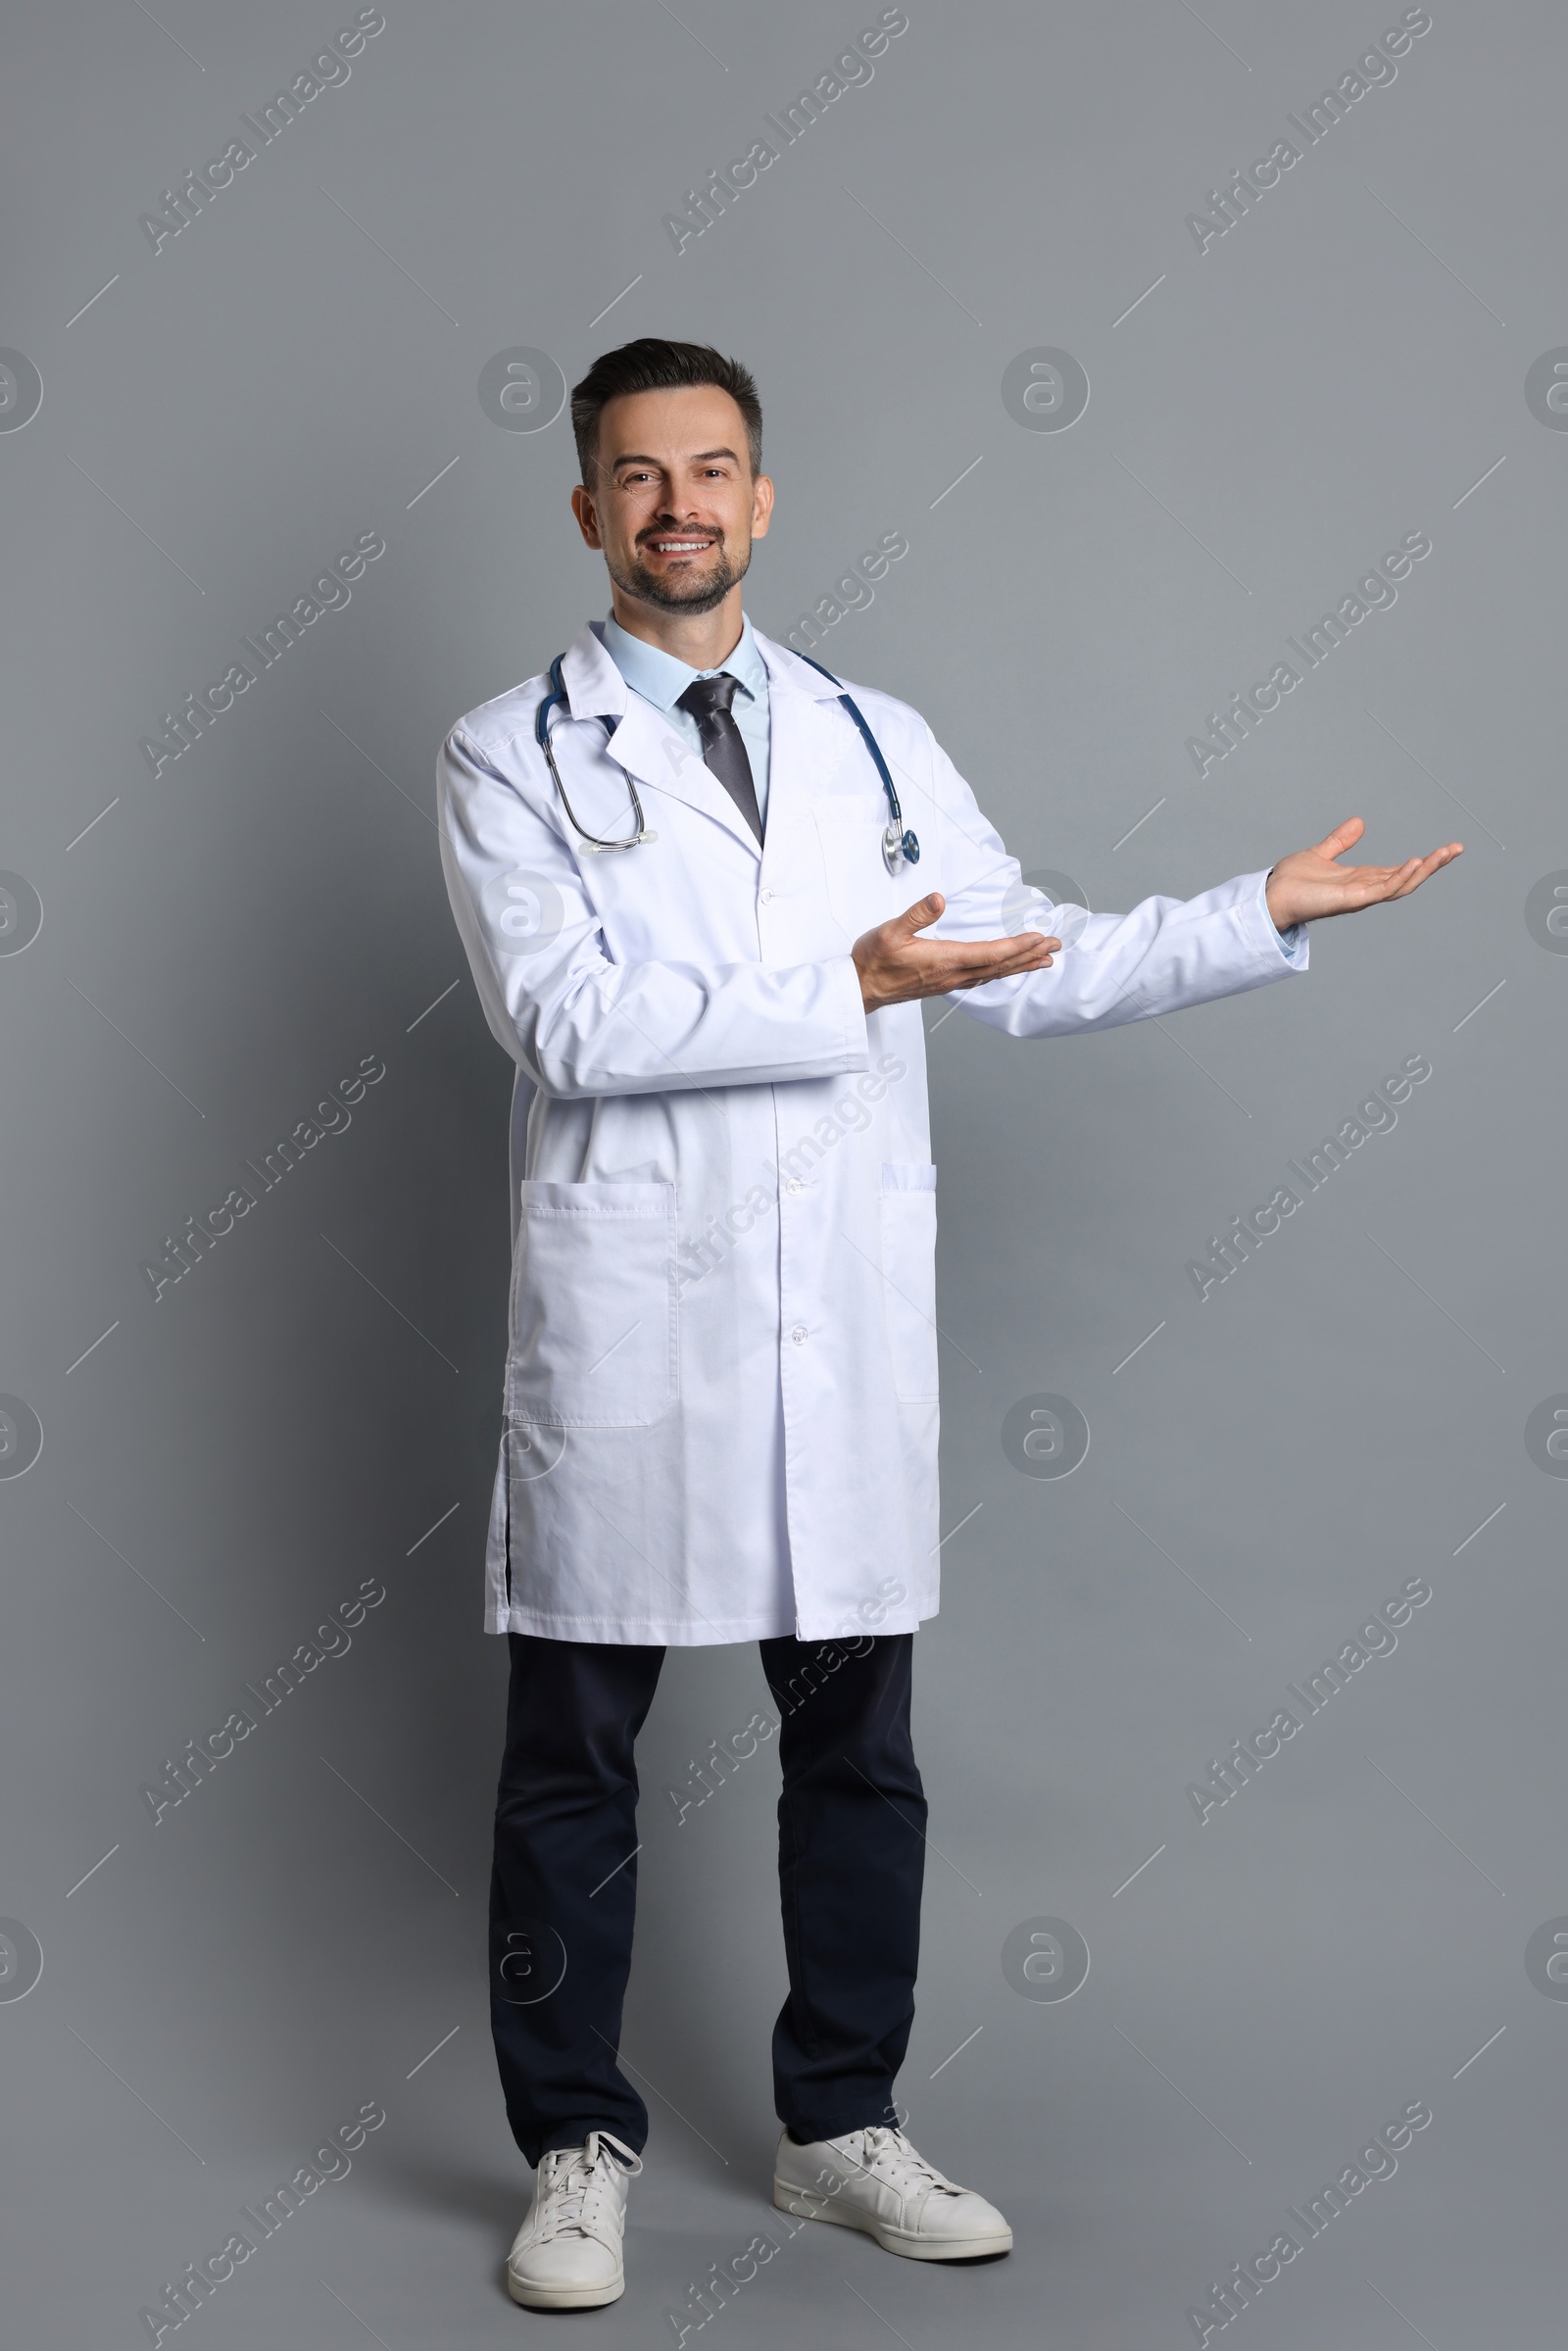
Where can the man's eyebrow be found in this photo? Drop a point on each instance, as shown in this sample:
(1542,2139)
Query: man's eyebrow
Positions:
(702,458)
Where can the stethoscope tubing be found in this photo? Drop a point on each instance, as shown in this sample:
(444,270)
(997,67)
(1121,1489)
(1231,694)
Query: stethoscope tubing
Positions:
(900,845)
(590,842)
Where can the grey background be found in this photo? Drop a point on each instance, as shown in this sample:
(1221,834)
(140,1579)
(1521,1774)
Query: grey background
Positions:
(293,1417)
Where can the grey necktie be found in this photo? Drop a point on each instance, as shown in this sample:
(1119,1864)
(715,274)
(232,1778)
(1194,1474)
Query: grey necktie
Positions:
(708,700)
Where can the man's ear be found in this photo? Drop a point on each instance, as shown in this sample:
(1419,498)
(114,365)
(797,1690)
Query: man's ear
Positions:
(582,506)
(762,505)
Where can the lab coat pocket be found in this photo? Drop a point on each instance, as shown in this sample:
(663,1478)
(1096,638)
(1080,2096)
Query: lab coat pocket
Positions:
(861,891)
(593,1330)
(909,1276)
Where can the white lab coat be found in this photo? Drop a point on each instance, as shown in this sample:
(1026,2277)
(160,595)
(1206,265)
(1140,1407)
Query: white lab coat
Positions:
(720,1412)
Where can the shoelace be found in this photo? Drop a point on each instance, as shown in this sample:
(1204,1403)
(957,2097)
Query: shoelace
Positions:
(579,2179)
(889,2153)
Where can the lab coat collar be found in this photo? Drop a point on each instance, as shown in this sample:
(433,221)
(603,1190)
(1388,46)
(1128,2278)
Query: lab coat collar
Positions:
(642,739)
(660,678)
(596,685)
(650,748)
(788,666)
(596,689)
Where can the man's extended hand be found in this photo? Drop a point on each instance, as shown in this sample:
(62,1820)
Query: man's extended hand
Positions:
(896,964)
(1308,885)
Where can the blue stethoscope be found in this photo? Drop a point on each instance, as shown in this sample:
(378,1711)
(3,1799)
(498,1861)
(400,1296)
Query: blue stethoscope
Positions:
(900,845)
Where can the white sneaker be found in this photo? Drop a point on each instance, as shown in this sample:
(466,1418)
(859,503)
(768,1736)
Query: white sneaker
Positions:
(874,2180)
(567,2255)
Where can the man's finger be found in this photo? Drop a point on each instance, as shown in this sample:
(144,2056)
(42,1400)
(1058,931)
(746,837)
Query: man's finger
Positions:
(1344,836)
(995,958)
(921,914)
(1383,880)
(1022,943)
(1423,868)
(981,979)
(1397,881)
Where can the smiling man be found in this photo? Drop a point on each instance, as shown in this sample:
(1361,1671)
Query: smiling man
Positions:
(683,864)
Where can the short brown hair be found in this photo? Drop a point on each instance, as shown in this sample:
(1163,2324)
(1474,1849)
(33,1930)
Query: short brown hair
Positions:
(652,365)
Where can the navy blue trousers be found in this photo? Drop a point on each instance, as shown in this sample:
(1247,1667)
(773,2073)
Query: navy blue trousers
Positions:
(563,1892)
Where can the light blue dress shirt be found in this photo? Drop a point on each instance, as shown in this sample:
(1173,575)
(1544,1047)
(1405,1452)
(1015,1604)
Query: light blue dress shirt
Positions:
(661,680)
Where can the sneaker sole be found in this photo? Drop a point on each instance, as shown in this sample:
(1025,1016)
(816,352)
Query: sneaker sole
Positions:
(892,2240)
(564,2297)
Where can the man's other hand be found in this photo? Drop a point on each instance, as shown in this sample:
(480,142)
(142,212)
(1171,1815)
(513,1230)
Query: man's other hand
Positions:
(1307,886)
(896,963)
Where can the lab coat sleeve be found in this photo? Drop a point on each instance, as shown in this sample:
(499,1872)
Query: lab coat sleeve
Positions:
(580,1024)
(1166,953)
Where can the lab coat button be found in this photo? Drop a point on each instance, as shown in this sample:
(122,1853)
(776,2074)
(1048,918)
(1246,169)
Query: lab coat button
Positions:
(793,1184)
(799,1333)
(768,897)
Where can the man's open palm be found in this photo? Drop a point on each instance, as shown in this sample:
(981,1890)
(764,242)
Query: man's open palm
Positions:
(897,965)
(1307,886)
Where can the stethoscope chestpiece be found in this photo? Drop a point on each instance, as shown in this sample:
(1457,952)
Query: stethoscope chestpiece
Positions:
(900,848)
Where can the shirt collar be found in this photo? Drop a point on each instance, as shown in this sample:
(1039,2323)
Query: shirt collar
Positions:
(659,678)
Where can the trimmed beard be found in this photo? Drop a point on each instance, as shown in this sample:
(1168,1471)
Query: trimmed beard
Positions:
(648,588)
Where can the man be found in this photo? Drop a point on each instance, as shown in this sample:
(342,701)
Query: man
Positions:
(693,919)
